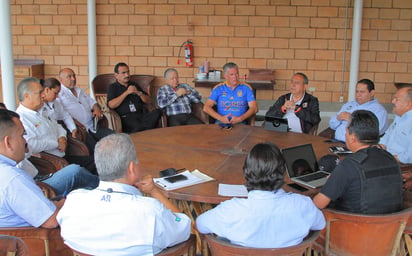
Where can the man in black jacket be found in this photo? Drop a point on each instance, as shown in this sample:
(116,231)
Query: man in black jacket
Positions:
(300,108)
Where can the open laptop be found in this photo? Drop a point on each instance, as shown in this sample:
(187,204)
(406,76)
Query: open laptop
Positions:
(302,166)
(276,124)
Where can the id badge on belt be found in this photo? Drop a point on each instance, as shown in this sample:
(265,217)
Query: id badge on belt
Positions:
(132,107)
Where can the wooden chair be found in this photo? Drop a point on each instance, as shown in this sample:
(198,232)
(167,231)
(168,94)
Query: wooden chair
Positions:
(101,84)
(327,133)
(48,191)
(47,163)
(11,245)
(220,247)
(359,234)
(314,130)
(186,248)
(40,241)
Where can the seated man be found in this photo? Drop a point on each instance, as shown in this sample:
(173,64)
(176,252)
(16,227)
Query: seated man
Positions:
(44,134)
(369,180)
(22,202)
(64,180)
(176,99)
(365,99)
(128,100)
(81,107)
(115,218)
(398,138)
(300,108)
(269,217)
(235,100)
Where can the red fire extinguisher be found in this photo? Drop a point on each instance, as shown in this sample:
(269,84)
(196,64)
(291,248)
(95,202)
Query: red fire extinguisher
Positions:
(188,50)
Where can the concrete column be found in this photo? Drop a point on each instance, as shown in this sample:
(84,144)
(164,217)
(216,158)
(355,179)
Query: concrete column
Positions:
(91,27)
(6,56)
(356,37)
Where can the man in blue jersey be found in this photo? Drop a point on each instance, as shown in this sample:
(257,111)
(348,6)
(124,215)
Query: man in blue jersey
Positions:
(235,100)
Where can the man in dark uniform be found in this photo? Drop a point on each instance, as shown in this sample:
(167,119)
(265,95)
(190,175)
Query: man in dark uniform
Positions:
(128,100)
(368,181)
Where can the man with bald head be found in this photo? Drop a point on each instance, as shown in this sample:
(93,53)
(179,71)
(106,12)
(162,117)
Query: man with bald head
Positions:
(397,139)
(81,107)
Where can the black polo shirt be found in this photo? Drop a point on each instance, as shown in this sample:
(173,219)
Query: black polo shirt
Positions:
(116,89)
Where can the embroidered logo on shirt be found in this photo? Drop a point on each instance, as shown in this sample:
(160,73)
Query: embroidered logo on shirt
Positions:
(239,93)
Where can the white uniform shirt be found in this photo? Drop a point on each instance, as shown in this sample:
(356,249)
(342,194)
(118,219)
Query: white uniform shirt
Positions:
(293,120)
(263,220)
(42,133)
(79,107)
(398,138)
(121,222)
(55,110)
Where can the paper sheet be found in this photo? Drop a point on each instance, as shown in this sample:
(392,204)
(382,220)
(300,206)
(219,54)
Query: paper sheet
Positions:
(232,190)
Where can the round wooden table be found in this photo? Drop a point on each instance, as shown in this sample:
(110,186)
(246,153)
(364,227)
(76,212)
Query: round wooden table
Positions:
(219,153)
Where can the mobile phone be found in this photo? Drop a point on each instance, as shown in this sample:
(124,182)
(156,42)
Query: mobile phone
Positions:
(297,187)
(176,178)
(168,172)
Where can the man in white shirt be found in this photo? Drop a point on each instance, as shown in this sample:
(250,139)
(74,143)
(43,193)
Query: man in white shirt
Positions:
(42,133)
(81,107)
(115,218)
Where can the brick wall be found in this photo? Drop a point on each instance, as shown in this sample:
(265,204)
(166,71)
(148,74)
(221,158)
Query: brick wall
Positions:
(285,35)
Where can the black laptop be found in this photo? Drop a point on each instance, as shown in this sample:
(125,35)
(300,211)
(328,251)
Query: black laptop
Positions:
(302,166)
(276,124)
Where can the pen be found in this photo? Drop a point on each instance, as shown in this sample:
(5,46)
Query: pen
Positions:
(177,171)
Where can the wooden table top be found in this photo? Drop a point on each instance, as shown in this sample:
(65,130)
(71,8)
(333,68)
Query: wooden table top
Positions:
(219,153)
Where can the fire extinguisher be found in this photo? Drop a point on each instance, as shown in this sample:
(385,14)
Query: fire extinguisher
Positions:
(188,51)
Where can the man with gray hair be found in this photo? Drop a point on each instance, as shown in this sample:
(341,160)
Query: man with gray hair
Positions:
(176,98)
(115,218)
(42,133)
(235,100)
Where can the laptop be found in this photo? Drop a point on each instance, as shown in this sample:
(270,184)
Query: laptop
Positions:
(276,124)
(302,166)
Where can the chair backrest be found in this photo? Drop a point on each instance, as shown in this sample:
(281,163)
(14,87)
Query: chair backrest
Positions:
(219,247)
(358,234)
(187,248)
(40,241)
(11,245)
(313,130)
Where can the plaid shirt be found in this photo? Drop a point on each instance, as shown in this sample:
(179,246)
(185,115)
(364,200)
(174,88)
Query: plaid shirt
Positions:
(167,98)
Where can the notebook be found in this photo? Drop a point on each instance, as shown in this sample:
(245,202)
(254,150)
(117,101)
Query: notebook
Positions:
(302,166)
(276,124)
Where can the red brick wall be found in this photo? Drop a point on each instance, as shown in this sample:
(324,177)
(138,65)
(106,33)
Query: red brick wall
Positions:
(285,35)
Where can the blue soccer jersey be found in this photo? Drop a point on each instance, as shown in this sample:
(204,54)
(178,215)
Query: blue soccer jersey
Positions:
(230,101)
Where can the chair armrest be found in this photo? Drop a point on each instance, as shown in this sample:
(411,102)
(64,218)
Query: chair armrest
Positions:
(58,162)
(43,166)
(76,147)
(48,191)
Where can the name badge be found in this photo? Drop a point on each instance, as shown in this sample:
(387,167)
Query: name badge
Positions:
(132,107)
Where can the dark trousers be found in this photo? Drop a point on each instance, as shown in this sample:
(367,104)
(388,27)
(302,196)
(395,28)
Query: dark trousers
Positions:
(140,121)
(182,119)
(93,138)
(84,161)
